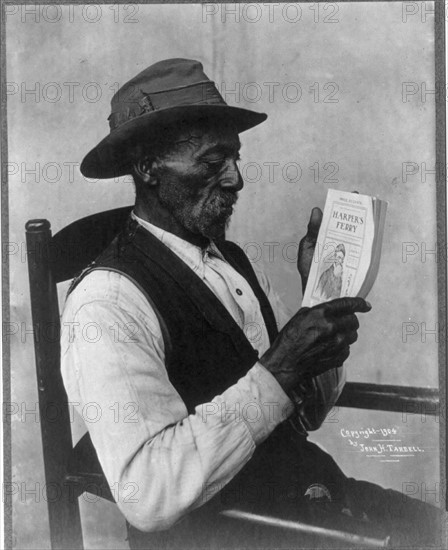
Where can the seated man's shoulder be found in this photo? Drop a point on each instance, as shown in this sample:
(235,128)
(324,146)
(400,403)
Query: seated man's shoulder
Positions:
(102,285)
(109,299)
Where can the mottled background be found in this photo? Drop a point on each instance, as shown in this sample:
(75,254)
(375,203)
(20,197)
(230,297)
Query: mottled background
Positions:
(344,121)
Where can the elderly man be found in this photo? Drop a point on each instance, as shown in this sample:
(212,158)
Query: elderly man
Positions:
(196,417)
(330,282)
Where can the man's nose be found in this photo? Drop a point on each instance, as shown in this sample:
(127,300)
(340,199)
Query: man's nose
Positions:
(231,179)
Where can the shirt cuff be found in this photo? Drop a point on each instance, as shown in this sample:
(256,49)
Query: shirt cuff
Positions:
(259,401)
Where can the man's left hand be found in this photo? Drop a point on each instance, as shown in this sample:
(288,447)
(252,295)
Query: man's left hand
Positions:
(307,245)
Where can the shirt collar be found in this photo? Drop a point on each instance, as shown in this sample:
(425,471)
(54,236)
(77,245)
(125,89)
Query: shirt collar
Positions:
(192,255)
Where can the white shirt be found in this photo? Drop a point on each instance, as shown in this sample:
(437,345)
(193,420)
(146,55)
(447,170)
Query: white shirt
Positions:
(163,461)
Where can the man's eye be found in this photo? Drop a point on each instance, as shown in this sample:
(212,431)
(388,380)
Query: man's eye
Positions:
(217,164)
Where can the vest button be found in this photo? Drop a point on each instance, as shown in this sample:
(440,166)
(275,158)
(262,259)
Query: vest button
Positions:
(239,292)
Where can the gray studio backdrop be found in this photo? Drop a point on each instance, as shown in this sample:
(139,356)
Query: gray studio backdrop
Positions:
(347,88)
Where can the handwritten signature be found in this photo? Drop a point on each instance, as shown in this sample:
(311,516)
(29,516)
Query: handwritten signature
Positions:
(385,443)
(367,432)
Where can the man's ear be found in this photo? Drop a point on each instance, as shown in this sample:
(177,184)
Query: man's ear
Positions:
(147,169)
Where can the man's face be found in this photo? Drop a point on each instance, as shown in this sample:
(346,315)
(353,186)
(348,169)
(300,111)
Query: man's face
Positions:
(339,259)
(199,180)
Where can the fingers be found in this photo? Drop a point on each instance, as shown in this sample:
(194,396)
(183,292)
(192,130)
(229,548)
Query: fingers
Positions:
(314,224)
(347,323)
(341,340)
(335,352)
(334,361)
(342,356)
(351,337)
(346,306)
(336,329)
(338,359)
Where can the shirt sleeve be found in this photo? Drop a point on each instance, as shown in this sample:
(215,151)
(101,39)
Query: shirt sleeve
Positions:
(160,458)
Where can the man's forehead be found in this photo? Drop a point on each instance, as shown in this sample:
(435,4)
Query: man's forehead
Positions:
(218,142)
(208,135)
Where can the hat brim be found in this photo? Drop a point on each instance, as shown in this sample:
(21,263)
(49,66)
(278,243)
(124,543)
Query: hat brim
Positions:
(109,159)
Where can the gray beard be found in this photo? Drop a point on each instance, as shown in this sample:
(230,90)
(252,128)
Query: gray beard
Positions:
(213,220)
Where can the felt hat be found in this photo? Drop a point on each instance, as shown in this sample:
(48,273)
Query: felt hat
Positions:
(169,91)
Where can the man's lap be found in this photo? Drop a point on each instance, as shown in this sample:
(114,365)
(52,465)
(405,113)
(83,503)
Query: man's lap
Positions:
(345,504)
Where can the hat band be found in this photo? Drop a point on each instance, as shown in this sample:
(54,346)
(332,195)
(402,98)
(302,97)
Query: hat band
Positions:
(201,93)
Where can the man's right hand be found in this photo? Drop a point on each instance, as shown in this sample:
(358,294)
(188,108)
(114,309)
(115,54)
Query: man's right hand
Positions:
(315,340)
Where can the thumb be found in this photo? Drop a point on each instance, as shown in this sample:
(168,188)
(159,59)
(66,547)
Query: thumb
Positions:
(314,224)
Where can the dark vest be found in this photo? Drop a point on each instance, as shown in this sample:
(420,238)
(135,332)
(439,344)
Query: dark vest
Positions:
(206,353)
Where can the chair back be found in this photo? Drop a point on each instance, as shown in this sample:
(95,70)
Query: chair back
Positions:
(52,260)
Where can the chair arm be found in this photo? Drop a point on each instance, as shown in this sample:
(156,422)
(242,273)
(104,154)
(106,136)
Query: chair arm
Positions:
(340,535)
(382,397)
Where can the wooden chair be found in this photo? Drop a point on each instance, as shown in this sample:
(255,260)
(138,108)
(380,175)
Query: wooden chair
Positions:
(70,471)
